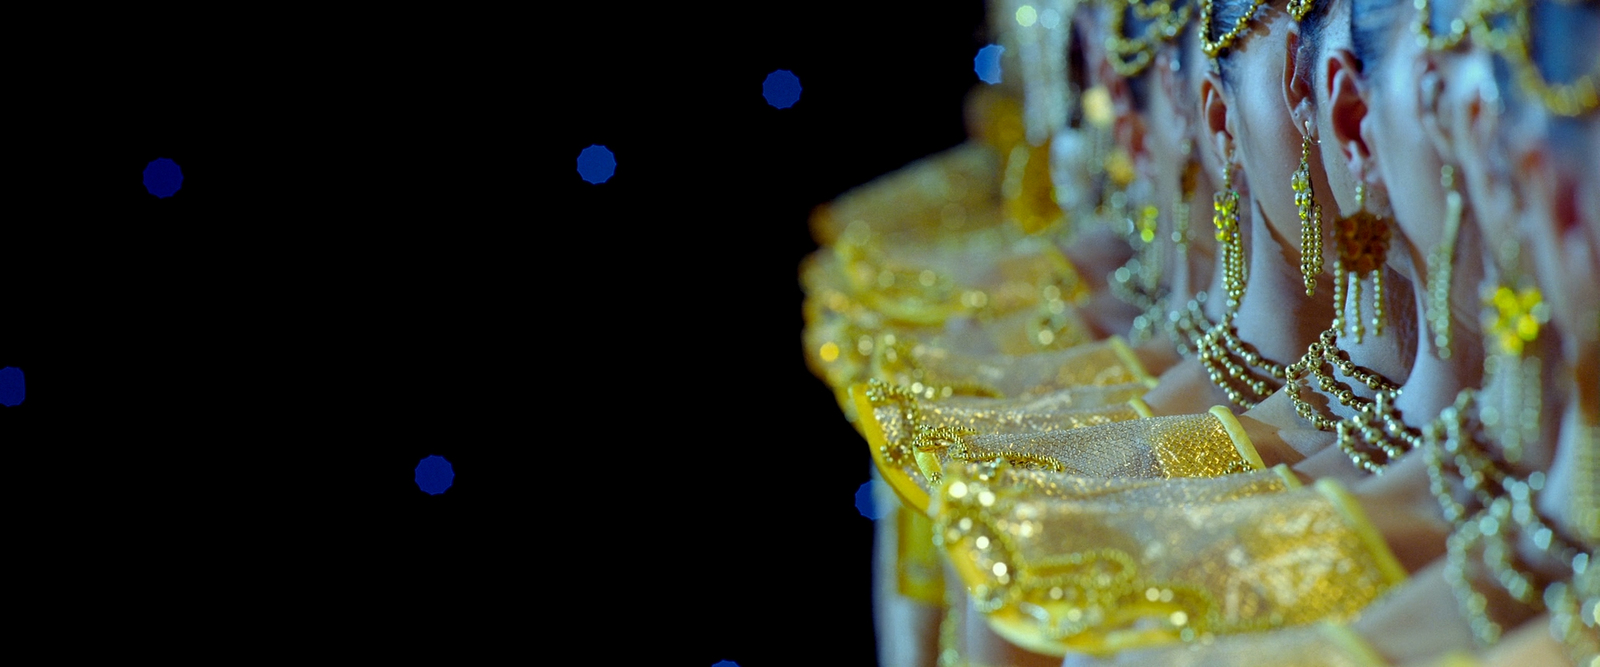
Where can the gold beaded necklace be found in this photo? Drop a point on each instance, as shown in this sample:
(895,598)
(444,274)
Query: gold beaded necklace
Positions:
(1138,281)
(1187,327)
(1230,363)
(1503,504)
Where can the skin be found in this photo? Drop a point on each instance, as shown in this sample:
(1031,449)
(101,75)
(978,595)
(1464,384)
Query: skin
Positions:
(1185,388)
(1255,126)
(1545,205)
(1421,620)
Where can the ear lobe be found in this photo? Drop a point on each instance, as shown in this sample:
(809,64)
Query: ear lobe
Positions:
(1298,94)
(1430,93)
(1214,115)
(1347,107)
(1127,128)
(1469,110)
(1168,80)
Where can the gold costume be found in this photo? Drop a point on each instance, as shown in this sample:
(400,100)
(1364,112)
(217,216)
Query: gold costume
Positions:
(946,318)
(1098,565)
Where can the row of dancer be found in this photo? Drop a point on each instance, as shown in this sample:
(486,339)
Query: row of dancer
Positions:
(1241,332)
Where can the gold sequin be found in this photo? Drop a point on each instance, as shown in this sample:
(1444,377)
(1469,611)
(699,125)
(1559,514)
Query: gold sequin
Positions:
(1224,555)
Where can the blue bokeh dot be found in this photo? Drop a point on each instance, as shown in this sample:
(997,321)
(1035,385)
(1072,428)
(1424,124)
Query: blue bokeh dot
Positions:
(725,663)
(865,504)
(987,64)
(781,88)
(162,177)
(12,387)
(596,164)
(434,475)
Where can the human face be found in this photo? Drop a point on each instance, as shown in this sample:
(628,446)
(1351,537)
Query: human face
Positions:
(1558,226)
(1406,160)
(1268,142)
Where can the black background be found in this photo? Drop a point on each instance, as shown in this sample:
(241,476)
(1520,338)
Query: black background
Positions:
(382,250)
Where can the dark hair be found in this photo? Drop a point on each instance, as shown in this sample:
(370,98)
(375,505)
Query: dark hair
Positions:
(1313,31)
(1224,15)
(1562,49)
(1374,27)
(1077,71)
(1132,24)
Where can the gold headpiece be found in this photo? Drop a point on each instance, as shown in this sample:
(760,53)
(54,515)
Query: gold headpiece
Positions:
(1505,27)
(1579,97)
(1131,55)
(1213,46)
(1422,25)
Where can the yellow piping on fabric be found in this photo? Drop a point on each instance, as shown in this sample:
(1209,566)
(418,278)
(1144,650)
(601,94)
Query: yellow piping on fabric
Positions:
(1131,360)
(909,492)
(1350,508)
(1459,659)
(1241,441)
(1141,407)
(1351,644)
(1064,266)
(918,572)
(1021,630)
(1018,628)
(1290,482)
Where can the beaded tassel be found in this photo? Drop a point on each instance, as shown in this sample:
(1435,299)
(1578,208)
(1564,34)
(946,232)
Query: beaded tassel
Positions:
(1440,268)
(1310,213)
(1355,298)
(1377,301)
(1338,296)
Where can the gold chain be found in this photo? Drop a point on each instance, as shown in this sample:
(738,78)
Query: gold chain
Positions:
(1213,46)
(1187,328)
(1506,505)
(1137,282)
(1562,99)
(1231,363)
(1310,213)
(1131,55)
(1376,423)
(1420,24)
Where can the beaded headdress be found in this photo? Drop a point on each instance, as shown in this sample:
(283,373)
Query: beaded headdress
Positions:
(1213,45)
(1130,55)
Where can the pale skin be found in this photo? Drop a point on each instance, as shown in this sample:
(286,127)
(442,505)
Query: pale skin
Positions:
(1357,134)
(1422,619)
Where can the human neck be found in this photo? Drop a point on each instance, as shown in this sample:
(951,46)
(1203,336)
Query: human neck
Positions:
(1509,392)
(1275,316)
(1433,382)
(1201,252)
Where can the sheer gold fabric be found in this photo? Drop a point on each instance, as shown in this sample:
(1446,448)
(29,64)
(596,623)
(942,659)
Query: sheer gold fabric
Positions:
(939,366)
(970,332)
(1099,565)
(909,435)
(950,191)
(1318,645)
(1200,445)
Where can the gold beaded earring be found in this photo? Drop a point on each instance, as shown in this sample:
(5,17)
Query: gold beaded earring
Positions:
(1305,203)
(1440,266)
(1513,319)
(1188,180)
(1363,241)
(1225,204)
